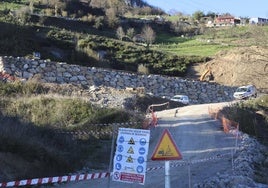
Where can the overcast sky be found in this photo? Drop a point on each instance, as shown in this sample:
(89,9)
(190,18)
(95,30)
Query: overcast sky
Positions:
(238,8)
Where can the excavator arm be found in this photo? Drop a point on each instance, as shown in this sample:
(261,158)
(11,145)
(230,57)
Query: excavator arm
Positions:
(205,73)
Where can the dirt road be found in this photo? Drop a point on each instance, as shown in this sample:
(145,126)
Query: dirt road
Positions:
(205,148)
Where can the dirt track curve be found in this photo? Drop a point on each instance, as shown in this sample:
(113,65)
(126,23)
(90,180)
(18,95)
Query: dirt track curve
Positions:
(201,142)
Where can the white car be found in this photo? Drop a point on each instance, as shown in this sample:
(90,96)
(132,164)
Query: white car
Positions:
(245,92)
(181,98)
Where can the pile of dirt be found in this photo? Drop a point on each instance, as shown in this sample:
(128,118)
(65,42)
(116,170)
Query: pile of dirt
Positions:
(237,67)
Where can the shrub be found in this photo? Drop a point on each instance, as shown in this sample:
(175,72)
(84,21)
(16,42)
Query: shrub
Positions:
(49,152)
(143,69)
(249,121)
(34,128)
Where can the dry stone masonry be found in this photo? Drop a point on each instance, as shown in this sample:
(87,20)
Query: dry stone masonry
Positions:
(251,156)
(58,72)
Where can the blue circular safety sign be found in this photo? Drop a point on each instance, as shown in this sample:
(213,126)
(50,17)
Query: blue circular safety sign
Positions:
(120,148)
(142,141)
(121,139)
(118,166)
(140,159)
(142,151)
(119,157)
(139,169)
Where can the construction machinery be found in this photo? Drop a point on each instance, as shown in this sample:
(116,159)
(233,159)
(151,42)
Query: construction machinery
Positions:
(206,75)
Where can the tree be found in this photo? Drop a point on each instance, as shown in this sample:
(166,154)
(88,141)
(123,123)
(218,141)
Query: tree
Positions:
(111,17)
(148,35)
(57,5)
(211,14)
(130,33)
(98,3)
(198,15)
(31,6)
(23,14)
(99,22)
(119,6)
(120,33)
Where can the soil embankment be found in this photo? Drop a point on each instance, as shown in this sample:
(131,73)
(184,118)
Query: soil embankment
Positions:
(240,66)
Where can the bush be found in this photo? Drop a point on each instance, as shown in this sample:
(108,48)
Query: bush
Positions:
(252,116)
(143,69)
(50,153)
(34,129)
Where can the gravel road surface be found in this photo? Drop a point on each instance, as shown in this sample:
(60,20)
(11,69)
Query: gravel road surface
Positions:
(206,150)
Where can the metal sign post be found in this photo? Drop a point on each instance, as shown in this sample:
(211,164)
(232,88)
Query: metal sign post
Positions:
(189,173)
(111,154)
(166,150)
(167,174)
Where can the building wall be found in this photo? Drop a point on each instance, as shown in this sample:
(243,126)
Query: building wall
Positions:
(258,21)
(57,72)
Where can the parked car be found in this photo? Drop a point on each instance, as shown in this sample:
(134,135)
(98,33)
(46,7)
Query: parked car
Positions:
(181,98)
(245,92)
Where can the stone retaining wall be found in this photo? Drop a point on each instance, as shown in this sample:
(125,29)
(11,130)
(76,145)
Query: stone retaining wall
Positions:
(57,72)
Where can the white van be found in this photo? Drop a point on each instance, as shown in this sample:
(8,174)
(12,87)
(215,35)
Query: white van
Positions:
(245,92)
(181,98)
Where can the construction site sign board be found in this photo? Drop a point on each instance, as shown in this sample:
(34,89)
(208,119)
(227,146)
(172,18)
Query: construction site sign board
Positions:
(166,148)
(131,155)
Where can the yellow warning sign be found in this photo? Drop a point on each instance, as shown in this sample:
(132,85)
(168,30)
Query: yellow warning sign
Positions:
(129,159)
(166,148)
(130,150)
(131,141)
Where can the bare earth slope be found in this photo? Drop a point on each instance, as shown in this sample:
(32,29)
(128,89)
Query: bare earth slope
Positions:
(239,66)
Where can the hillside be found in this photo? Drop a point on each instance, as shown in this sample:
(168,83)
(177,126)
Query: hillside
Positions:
(89,38)
(236,67)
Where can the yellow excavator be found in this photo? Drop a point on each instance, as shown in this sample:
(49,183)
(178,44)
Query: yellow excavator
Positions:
(206,75)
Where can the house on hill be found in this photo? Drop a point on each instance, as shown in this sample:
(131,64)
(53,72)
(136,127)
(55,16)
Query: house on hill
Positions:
(226,20)
(258,21)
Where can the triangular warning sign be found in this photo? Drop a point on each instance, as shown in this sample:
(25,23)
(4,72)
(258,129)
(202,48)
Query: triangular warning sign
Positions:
(129,159)
(131,141)
(130,150)
(166,148)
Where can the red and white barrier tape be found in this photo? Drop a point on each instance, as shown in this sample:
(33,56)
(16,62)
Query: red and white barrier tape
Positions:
(154,168)
(185,163)
(81,177)
(59,179)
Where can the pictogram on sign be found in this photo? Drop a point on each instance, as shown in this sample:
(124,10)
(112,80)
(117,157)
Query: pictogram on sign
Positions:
(131,141)
(130,150)
(166,148)
(129,159)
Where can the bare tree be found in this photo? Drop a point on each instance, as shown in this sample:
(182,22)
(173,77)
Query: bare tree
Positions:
(57,5)
(31,6)
(130,33)
(23,14)
(198,15)
(148,35)
(111,17)
(98,3)
(120,33)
